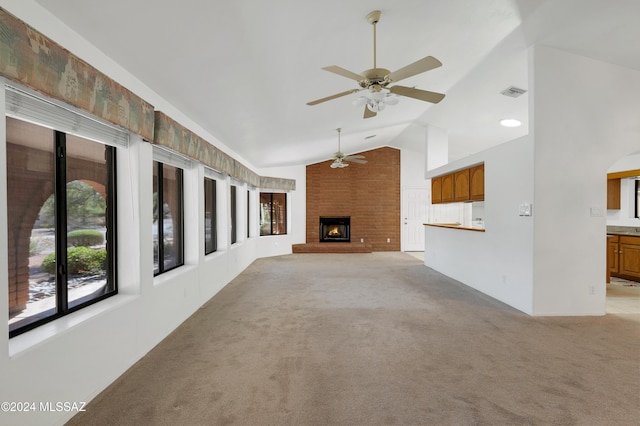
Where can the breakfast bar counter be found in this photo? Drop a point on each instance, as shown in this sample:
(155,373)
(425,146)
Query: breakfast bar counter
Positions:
(454,226)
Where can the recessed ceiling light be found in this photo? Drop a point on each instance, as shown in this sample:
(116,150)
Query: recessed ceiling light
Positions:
(370,136)
(511,122)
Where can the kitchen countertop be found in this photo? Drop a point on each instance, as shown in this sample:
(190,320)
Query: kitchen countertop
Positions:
(624,230)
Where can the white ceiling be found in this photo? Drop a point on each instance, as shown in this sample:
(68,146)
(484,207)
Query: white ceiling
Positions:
(244,69)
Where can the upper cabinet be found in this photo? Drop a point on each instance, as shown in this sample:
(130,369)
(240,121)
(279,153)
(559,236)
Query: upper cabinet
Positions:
(436,190)
(476,183)
(614,181)
(447,188)
(613,194)
(462,185)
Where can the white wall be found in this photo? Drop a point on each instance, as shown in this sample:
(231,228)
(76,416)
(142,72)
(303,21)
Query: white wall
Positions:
(437,147)
(497,262)
(412,169)
(585,116)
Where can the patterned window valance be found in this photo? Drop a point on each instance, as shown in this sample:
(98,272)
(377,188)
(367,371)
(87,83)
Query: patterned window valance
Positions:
(30,58)
(173,135)
(277,183)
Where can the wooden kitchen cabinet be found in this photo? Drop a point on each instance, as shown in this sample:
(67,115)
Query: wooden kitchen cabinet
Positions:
(612,256)
(447,188)
(461,185)
(623,256)
(629,257)
(476,183)
(613,194)
(436,190)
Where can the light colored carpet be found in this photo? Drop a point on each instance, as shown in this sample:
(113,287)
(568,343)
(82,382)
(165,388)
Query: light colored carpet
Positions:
(373,339)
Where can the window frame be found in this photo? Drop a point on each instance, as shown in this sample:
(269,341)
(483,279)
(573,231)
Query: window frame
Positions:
(248,213)
(158,165)
(213,217)
(271,213)
(233,224)
(62,307)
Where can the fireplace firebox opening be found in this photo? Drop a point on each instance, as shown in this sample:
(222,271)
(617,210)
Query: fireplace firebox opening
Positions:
(335,229)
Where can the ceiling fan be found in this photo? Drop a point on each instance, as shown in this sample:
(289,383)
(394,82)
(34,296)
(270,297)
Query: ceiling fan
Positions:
(339,158)
(374,82)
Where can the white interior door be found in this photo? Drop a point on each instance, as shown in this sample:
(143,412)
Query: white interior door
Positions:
(415,203)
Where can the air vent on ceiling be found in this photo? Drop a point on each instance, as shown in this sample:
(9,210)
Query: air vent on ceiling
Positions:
(513,92)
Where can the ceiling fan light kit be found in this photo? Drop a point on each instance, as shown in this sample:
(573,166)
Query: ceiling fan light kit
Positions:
(373,82)
(376,100)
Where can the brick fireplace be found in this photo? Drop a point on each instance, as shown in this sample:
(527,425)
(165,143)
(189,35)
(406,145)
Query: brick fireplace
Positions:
(367,194)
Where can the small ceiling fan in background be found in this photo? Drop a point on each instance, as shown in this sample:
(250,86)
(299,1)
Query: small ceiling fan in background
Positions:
(339,158)
(374,82)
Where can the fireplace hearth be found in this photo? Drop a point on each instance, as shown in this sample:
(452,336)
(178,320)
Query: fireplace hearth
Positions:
(335,229)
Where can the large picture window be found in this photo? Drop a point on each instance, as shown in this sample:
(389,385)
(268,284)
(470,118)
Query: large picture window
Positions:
(210,234)
(273,213)
(61,199)
(168,244)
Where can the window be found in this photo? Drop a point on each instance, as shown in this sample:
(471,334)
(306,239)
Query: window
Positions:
(273,213)
(637,197)
(210,236)
(61,199)
(234,236)
(168,244)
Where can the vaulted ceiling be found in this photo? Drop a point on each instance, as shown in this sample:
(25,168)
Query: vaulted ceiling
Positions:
(244,70)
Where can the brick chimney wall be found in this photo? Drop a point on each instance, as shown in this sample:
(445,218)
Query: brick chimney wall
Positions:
(368,193)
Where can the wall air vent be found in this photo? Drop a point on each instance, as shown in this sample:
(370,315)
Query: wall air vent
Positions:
(513,92)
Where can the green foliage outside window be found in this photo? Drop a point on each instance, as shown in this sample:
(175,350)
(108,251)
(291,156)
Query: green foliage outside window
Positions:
(80,260)
(85,238)
(85,206)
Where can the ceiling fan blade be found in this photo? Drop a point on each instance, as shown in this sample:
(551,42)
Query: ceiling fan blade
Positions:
(424,64)
(355,160)
(328,98)
(343,72)
(422,95)
(354,156)
(368,113)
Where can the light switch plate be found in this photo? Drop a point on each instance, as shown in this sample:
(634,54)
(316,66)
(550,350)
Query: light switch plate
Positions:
(525,209)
